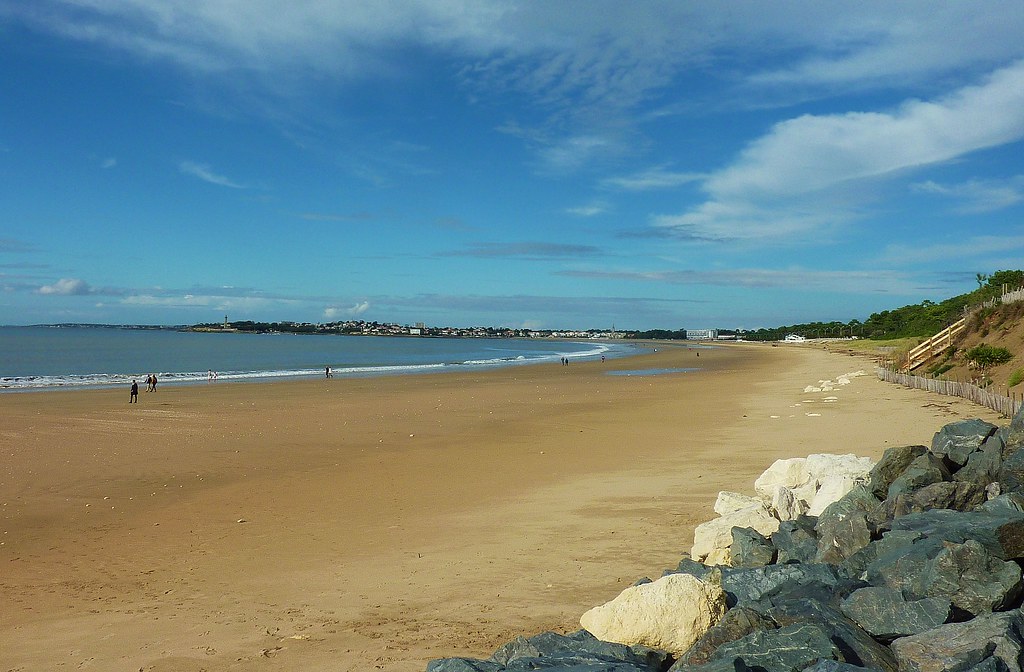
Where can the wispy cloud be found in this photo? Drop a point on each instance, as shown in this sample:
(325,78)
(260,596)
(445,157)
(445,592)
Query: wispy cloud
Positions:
(978,196)
(790,181)
(968,248)
(206,174)
(336,217)
(15,245)
(590,210)
(527,250)
(803,279)
(651,179)
(108,163)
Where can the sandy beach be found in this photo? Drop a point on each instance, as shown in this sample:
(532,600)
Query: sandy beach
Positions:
(358,524)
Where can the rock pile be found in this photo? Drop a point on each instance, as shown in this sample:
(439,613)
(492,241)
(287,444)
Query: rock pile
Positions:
(913,564)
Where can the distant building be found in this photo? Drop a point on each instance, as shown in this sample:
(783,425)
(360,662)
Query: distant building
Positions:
(701,334)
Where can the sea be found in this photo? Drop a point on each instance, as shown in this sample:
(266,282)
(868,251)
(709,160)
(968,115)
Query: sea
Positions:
(51,357)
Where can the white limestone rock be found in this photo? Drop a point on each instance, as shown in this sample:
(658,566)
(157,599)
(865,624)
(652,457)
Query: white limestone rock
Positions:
(717,534)
(831,490)
(822,466)
(669,614)
(719,557)
(788,473)
(728,502)
(786,505)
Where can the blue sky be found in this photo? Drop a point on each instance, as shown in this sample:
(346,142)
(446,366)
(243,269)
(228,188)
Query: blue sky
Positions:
(538,164)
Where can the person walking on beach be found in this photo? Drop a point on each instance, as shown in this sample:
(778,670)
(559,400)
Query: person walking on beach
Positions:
(154,384)
(135,393)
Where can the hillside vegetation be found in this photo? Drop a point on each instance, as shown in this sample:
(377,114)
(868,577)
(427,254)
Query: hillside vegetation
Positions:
(915,321)
(996,334)
(988,352)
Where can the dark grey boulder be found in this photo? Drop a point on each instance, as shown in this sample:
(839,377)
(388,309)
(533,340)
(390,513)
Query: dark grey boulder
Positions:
(904,568)
(723,665)
(1015,431)
(955,645)
(796,540)
(855,644)
(550,650)
(983,465)
(463,665)
(957,495)
(975,581)
(748,586)
(1001,533)
(737,623)
(1010,504)
(843,537)
(788,649)
(956,441)
(1011,471)
(836,666)
(692,567)
(990,664)
(860,498)
(894,461)
(842,527)
(750,548)
(923,470)
(885,614)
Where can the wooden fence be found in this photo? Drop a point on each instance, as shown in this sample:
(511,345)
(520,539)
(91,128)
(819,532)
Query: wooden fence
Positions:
(1006,406)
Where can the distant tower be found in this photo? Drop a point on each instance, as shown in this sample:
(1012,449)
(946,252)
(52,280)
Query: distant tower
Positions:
(225,321)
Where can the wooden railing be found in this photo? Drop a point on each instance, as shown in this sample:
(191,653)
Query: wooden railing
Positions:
(1006,406)
(934,345)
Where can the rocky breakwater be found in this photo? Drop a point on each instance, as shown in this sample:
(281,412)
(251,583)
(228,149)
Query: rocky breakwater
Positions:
(910,564)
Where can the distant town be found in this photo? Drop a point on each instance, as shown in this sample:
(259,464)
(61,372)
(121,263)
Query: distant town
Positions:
(363,328)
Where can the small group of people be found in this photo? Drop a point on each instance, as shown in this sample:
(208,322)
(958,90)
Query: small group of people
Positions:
(150,387)
(211,375)
(329,372)
(565,361)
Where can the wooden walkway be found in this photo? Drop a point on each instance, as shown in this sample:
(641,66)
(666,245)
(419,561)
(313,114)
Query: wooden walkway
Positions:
(934,345)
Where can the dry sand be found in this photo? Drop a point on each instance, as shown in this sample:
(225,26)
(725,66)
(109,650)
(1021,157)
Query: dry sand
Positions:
(376,524)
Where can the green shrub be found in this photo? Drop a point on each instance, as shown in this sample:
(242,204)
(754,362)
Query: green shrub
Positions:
(1015,378)
(984,356)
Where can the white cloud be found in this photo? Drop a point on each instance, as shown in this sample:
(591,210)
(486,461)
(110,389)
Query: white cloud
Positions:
(109,162)
(585,68)
(205,173)
(778,185)
(334,312)
(978,196)
(67,287)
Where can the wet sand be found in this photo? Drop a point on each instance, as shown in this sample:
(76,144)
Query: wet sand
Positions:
(357,524)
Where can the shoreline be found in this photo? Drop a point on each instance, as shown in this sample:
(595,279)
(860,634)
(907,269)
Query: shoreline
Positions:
(263,370)
(358,523)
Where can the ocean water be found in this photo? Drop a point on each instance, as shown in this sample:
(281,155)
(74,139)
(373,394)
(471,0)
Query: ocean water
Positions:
(39,358)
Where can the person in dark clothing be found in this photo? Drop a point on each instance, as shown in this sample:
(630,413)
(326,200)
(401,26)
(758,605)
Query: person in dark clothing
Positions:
(135,393)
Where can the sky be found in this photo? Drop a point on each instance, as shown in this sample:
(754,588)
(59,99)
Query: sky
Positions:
(547,165)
